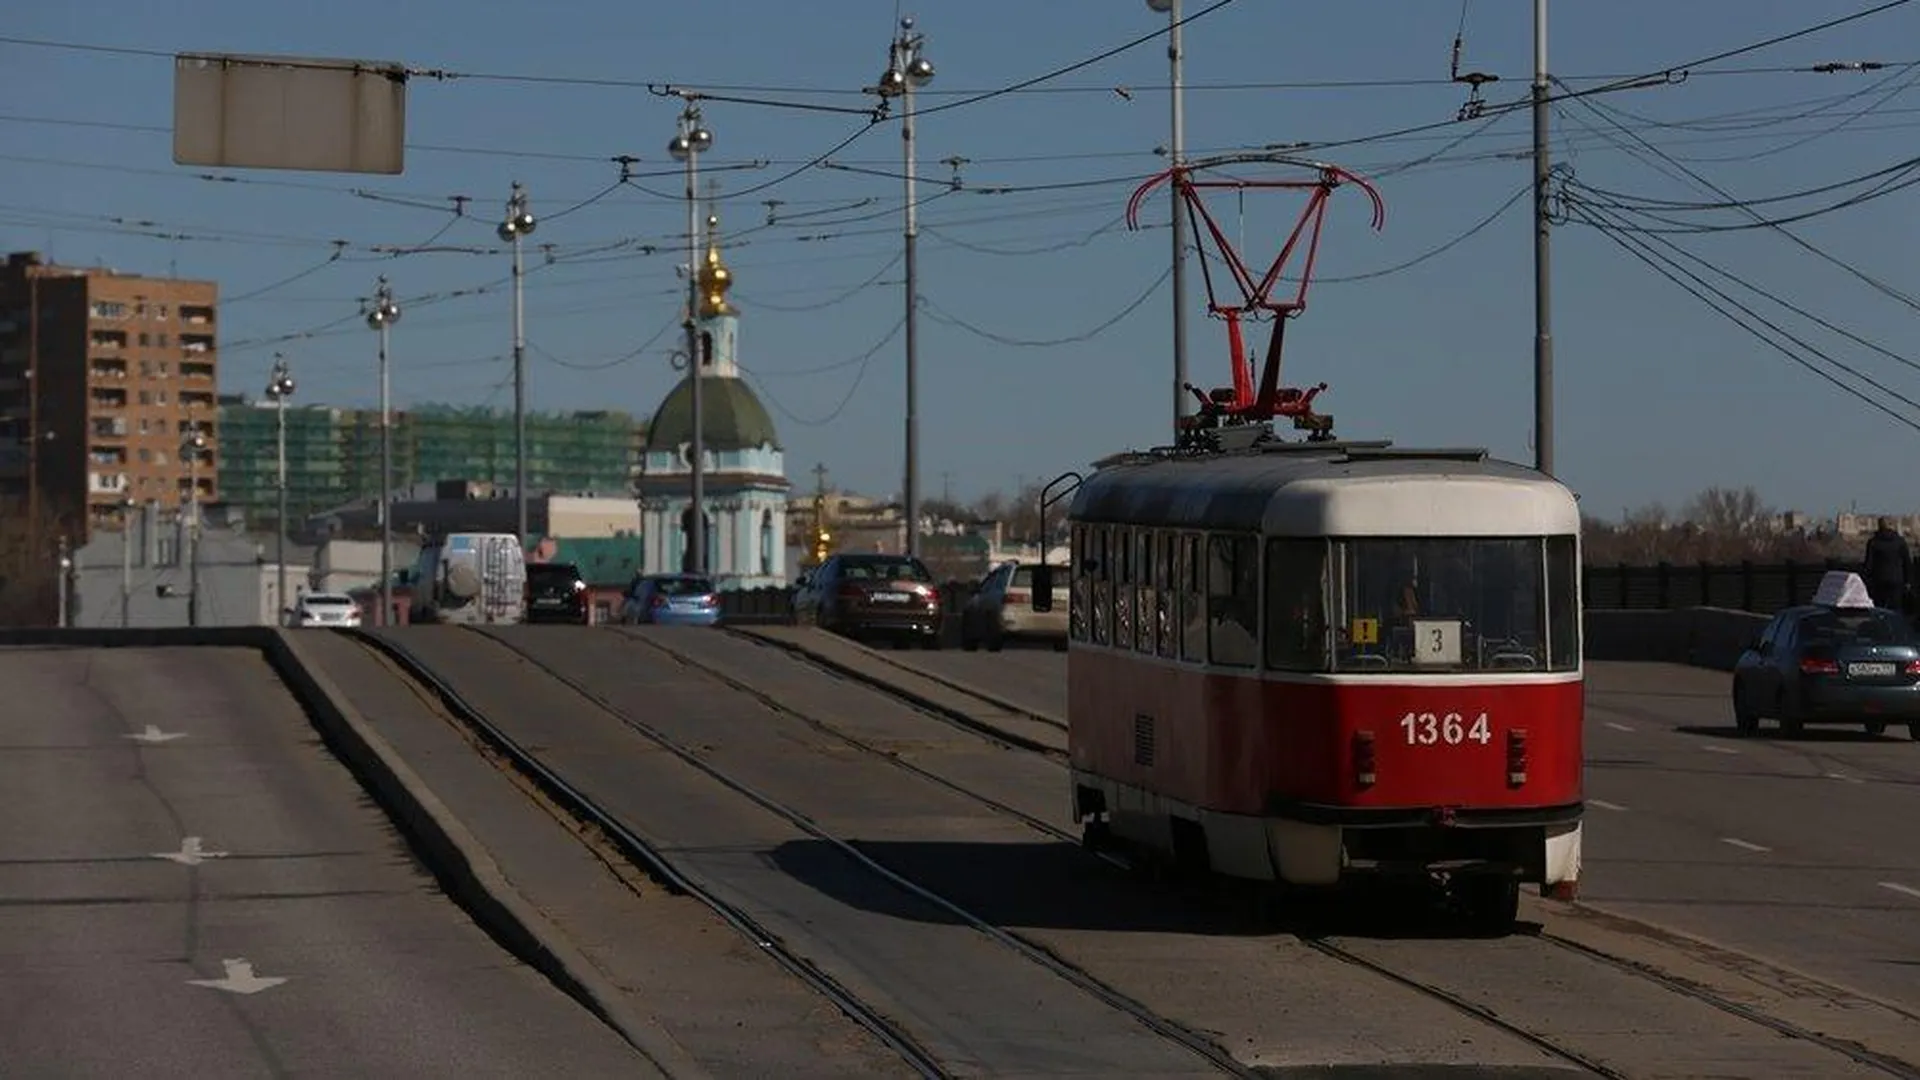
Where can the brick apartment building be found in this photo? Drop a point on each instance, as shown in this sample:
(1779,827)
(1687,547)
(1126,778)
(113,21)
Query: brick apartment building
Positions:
(103,375)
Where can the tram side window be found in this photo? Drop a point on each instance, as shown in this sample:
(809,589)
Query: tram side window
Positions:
(1563,604)
(1164,545)
(1081,578)
(1123,578)
(1193,599)
(1297,605)
(1100,590)
(1147,604)
(1233,601)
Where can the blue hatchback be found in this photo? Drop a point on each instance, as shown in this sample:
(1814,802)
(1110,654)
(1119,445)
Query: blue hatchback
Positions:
(673,600)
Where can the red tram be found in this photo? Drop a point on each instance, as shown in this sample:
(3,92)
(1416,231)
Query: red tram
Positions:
(1300,660)
(1294,661)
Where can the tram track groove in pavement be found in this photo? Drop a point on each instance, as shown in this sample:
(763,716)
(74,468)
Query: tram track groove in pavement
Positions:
(1194,1042)
(1847,1048)
(1454,1001)
(658,865)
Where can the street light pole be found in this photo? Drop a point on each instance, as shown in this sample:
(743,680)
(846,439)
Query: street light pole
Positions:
(1176,152)
(1542,255)
(687,145)
(126,562)
(518,223)
(381,318)
(907,71)
(191,449)
(280,388)
(65,580)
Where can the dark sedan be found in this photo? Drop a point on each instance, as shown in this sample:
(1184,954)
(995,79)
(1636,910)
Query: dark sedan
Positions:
(557,593)
(880,595)
(1830,665)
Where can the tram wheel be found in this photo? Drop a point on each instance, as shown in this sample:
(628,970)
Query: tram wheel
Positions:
(1489,902)
(1876,728)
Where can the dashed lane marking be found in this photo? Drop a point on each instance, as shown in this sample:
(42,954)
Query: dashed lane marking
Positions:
(1899,888)
(1712,749)
(1628,728)
(1844,776)
(1605,805)
(1743,844)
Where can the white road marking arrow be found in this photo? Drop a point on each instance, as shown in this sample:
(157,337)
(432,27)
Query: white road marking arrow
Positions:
(153,734)
(190,853)
(239,979)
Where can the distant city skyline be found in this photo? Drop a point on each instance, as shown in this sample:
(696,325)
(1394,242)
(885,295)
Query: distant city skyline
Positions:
(1044,328)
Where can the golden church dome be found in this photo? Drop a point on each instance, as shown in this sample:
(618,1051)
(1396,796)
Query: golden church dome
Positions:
(715,278)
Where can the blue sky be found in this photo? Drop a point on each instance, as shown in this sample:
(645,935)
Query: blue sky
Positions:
(1657,395)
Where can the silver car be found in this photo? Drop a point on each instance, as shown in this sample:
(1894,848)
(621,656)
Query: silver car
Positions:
(1002,609)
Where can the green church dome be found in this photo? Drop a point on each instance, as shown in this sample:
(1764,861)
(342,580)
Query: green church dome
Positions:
(734,417)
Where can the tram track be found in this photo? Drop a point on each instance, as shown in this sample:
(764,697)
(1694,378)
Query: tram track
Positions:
(651,860)
(848,671)
(1329,949)
(1689,990)
(1040,955)
(946,714)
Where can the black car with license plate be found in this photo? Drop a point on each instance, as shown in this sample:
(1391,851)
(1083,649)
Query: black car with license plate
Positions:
(872,595)
(557,593)
(1825,664)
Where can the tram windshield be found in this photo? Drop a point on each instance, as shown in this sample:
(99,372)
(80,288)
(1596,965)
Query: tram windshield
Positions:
(1439,604)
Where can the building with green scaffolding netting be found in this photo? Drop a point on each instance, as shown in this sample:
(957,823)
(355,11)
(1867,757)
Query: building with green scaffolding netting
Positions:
(333,455)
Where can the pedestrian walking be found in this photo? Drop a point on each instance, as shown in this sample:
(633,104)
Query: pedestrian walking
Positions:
(1888,567)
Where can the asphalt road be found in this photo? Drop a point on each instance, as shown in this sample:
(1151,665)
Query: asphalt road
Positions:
(218,898)
(1191,956)
(666,962)
(1803,852)
(973,1003)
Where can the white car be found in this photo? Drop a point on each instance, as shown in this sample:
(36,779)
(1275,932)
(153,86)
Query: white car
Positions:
(325,609)
(1001,609)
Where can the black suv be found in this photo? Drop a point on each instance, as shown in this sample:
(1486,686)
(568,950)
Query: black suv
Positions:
(557,593)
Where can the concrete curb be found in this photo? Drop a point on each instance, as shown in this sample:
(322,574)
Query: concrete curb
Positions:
(462,863)
(457,859)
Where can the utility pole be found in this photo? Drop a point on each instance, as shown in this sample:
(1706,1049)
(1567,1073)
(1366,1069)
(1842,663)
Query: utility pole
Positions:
(34,435)
(381,318)
(65,578)
(191,448)
(1542,256)
(280,388)
(126,562)
(1176,153)
(686,146)
(907,71)
(518,223)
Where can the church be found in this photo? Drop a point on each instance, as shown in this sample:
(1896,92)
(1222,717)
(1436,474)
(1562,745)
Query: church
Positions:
(746,473)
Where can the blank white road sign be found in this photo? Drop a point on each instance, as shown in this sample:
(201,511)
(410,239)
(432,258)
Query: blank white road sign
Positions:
(289,112)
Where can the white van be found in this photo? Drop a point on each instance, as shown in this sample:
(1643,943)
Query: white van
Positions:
(471,578)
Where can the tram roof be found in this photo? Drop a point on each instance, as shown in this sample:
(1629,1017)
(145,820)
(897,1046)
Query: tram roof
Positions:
(1330,489)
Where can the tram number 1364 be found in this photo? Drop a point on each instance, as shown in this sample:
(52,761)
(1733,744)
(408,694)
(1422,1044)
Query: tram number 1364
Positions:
(1427,729)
